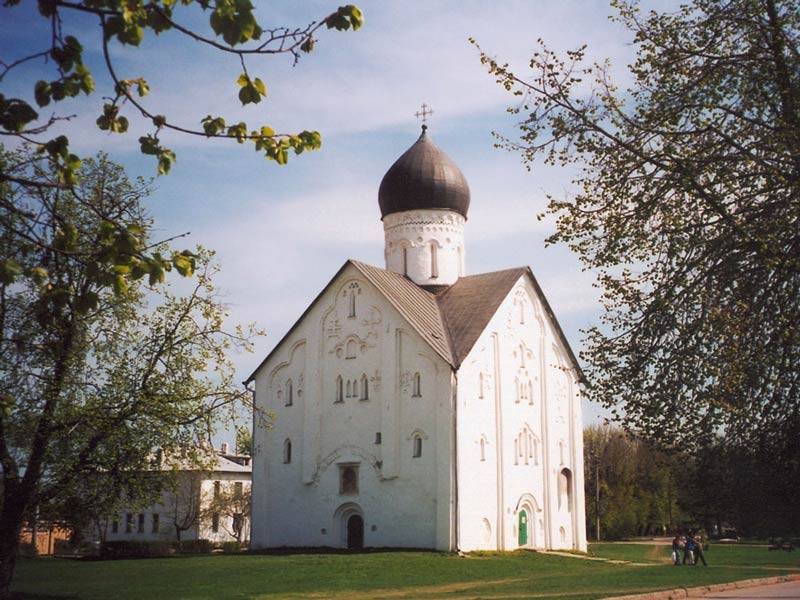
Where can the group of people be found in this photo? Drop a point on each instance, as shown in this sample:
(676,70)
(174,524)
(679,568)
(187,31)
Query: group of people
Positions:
(692,547)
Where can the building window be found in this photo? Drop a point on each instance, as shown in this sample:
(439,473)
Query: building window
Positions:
(339,389)
(417,443)
(565,490)
(480,385)
(522,313)
(289,393)
(353,289)
(417,386)
(483,450)
(351,349)
(115,525)
(238,488)
(349,389)
(364,387)
(140,528)
(405,261)
(378,438)
(216,489)
(434,260)
(128,523)
(348,480)
(287,451)
(530,392)
(155,523)
(215,523)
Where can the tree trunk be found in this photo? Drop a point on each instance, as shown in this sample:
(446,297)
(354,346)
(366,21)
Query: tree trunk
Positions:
(11,520)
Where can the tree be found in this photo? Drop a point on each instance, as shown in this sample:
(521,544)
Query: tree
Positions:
(234,30)
(639,486)
(244,441)
(98,370)
(687,208)
(230,504)
(184,503)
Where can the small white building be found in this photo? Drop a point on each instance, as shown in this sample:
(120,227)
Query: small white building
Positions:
(416,406)
(189,505)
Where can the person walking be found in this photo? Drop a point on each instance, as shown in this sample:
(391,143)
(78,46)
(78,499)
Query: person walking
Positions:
(698,551)
(688,550)
(676,550)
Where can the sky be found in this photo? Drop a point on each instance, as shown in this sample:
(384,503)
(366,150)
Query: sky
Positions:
(281,232)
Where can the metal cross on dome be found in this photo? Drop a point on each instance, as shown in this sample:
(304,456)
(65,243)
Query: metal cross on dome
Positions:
(426,112)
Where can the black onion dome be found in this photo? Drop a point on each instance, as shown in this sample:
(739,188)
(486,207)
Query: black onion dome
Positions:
(423,177)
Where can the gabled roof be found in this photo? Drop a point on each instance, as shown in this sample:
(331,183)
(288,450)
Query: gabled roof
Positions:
(418,306)
(469,304)
(450,320)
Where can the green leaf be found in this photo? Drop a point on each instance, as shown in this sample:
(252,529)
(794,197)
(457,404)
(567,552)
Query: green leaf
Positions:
(41,92)
(9,270)
(260,87)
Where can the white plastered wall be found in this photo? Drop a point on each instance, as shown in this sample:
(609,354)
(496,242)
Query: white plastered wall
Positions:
(404,500)
(518,399)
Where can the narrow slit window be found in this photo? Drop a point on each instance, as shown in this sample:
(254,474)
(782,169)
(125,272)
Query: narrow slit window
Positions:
(289,393)
(417,386)
(483,450)
(287,451)
(405,261)
(417,452)
(434,261)
(339,389)
(364,387)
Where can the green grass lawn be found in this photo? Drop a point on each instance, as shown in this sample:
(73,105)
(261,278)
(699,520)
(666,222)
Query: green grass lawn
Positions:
(396,575)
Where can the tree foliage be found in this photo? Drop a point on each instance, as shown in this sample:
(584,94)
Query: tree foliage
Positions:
(233,29)
(687,208)
(98,370)
(640,487)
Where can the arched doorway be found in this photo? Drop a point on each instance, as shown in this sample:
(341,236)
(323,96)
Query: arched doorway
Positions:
(355,532)
(523,528)
(348,525)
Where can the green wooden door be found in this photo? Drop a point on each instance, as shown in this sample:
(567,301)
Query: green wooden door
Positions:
(523,528)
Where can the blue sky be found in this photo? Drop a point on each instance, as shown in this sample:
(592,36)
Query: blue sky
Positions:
(281,232)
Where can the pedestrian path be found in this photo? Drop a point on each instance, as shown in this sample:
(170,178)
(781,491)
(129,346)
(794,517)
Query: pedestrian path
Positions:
(613,561)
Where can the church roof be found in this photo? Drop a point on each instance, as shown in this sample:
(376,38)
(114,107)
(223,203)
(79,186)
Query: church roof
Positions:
(452,319)
(424,177)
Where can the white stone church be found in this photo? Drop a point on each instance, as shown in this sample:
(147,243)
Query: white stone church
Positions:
(416,406)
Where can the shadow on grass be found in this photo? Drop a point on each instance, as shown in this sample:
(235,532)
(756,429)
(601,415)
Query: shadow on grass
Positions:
(26,596)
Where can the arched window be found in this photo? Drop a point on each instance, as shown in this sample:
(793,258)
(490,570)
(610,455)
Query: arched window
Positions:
(287,451)
(417,446)
(405,261)
(480,385)
(349,389)
(339,389)
(351,349)
(289,393)
(522,355)
(417,386)
(353,290)
(483,449)
(434,260)
(530,392)
(364,387)
(521,313)
(565,490)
